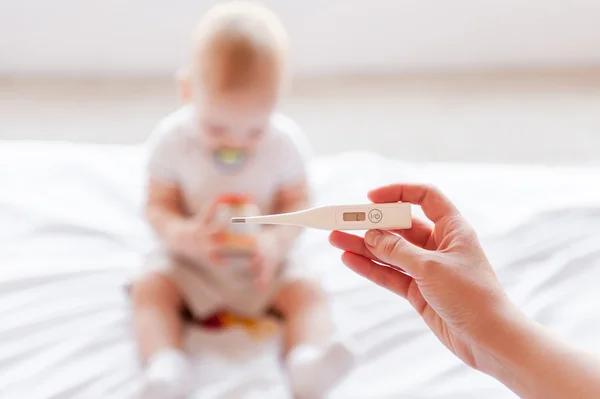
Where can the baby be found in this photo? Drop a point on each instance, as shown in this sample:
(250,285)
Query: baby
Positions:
(228,141)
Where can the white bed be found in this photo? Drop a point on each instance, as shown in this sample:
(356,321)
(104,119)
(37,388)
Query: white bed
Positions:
(70,232)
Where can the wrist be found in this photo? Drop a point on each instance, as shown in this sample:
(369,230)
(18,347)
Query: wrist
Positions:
(534,363)
(283,237)
(513,344)
(277,242)
(505,330)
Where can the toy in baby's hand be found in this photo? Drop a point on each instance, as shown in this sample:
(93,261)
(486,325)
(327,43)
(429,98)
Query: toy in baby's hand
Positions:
(236,239)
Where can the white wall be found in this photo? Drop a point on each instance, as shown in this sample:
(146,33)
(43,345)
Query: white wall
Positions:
(335,36)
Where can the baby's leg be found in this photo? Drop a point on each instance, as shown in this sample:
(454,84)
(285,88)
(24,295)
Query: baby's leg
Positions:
(315,361)
(306,313)
(158,330)
(156,314)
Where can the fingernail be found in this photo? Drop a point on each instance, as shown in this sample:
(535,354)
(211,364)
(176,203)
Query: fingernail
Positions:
(372,237)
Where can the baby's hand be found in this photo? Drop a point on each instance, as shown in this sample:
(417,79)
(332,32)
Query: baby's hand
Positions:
(267,258)
(197,237)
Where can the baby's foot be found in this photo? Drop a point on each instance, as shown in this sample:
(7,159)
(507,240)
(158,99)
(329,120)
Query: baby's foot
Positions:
(315,371)
(167,376)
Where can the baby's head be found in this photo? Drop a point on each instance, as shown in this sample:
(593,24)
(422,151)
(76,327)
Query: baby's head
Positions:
(236,73)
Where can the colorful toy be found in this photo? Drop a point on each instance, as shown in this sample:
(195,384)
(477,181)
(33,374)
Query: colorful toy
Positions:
(258,328)
(236,239)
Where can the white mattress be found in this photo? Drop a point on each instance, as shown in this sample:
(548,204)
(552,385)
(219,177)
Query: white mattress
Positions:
(71,231)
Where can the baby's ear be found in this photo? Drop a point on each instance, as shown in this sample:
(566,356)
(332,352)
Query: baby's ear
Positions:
(182,76)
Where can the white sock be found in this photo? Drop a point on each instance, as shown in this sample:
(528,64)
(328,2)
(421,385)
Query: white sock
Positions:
(314,371)
(167,375)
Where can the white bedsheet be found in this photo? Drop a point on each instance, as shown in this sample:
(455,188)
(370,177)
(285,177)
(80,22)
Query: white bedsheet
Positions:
(70,232)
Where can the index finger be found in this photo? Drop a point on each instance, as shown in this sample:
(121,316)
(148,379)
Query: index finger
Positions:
(434,203)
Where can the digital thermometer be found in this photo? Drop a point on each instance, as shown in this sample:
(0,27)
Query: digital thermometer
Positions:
(391,216)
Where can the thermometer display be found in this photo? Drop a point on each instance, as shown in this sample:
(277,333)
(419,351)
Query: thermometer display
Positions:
(354,217)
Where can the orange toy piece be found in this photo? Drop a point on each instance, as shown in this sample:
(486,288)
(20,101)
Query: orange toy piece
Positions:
(256,328)
(236,238)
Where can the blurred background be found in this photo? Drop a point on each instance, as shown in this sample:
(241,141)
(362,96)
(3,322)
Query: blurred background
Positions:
(458,80)
(430,82)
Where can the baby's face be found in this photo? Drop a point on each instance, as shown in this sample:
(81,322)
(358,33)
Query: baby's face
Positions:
(236,120)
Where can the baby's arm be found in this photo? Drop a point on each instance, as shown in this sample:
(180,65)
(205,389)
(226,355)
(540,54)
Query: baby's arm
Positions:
(290,198)
(164,213)
(185,236)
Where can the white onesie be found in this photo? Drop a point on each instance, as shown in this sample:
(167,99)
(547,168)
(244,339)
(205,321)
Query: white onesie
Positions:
(177,157)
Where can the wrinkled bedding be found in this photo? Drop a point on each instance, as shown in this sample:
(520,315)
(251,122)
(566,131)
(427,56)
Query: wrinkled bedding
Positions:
(71,231)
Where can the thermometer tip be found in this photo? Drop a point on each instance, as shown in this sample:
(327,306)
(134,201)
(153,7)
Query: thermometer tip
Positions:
(238,220)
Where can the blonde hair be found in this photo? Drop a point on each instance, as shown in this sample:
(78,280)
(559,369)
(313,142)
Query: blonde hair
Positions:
(239,44)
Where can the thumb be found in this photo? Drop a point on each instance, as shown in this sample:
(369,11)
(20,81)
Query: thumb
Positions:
(394,250)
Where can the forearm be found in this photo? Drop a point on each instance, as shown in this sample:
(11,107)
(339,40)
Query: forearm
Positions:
(167,224)
(534,363)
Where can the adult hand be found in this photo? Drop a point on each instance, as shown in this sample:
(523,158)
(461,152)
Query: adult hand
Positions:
(446,277)
(440,269)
